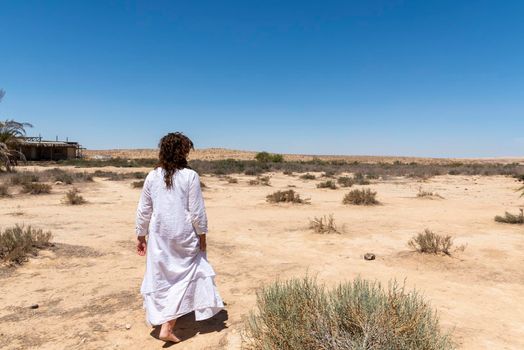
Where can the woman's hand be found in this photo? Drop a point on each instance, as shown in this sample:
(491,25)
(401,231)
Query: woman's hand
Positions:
(141,245)
(203,245)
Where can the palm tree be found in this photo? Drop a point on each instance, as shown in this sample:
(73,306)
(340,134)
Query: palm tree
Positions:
(11,133)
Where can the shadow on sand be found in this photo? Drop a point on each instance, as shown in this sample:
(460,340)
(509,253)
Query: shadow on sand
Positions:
(186,327)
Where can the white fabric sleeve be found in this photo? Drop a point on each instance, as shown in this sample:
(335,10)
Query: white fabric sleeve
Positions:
(197,209)
(144,210)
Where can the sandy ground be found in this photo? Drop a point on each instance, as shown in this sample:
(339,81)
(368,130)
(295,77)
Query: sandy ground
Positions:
(223,153)
(87,287)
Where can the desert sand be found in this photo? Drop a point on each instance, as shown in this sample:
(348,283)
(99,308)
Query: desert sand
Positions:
(223,153)
(87,286)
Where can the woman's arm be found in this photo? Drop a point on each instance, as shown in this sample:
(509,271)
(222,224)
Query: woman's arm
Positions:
(143,216)
(197,210)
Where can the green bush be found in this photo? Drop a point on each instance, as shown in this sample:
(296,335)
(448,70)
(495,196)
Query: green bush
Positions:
(509,218)
(19,241)
(361,197)
(300,314)
(265,157)
(327,184)
(288,196)
(36,188)
(431,243)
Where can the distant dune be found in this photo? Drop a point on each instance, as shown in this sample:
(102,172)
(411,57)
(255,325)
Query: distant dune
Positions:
(222,153)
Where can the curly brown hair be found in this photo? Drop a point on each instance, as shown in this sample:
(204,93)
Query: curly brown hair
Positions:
(174,149)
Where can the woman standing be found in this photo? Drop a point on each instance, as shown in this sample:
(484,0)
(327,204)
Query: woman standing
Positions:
(178,278)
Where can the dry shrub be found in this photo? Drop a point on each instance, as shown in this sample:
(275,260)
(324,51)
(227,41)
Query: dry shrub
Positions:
(431,243)
(4,191)
(73,197)
(288,196)
(328,184)
(360,179)
(345,181)
(19,241)
(23,178)
(231,180)
(427,194)
(324,224)
(36,188)
(288,172)
(307,176)
(300,314)
(260,180)
(137,184)
(361,197)
(202,185)
(509,218)
(66,176)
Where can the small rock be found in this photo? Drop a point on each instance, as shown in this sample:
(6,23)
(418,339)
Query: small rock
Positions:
(128,326)
(34,306)
(369,256)
(59,183)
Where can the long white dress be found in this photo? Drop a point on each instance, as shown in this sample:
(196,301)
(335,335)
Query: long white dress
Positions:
(178,277)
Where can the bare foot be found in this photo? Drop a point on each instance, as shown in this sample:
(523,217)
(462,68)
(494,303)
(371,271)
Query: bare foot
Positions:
(169,337)
(166,334)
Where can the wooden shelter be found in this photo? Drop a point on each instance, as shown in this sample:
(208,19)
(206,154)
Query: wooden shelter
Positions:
(34,148)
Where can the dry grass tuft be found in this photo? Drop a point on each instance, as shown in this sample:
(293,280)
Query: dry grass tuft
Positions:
(509,218)
(36,188)
(431,243)
(288,196)
(17,242)
(361,197)
(4,191)
(300,314)
(22,178)
(137,184)
(231,180)
(427,194)
(260,180)
(308,176)
(327,184)
(345,181)
(73,197)
(324,224)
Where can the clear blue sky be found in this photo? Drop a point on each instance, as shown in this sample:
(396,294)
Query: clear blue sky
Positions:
(423,78)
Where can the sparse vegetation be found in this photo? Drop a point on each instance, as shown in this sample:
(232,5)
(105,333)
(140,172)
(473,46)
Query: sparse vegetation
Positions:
(345,181)
(300,314)
(324,224)
(137,184)
(288,196)
(431,243)
(427,194)
(361,197)
(36,188)
(260,180)
(327,184)
(22,178)
(308,176)
(288,172)
(372,170)
(360,179)
(231,180)
(73,197)
(17,242)
(4,191)
(509,218)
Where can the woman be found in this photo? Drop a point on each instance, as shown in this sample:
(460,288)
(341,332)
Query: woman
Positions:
(178,277)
